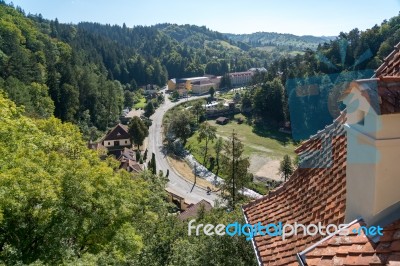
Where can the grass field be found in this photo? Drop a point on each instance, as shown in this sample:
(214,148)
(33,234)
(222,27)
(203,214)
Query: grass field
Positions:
(264,147)
(140,104)
(266,142)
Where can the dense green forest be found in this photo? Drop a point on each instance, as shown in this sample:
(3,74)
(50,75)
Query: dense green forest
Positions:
(59,203)
(284,40)
(79,72)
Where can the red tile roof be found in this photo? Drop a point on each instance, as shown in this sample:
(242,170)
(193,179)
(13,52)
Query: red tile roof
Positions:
(357,249)
(391,65)
(192,211)
(318,194)
(311,195)
(383,93)
(389,93)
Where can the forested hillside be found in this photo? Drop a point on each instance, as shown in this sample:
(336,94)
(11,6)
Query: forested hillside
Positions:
(59,203)
(79,72)
(284,40)
(48,76)
(330,68)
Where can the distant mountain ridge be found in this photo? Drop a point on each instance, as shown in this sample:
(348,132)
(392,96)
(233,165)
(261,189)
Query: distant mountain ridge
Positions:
(259,39)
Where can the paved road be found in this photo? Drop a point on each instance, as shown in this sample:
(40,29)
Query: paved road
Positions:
(176,184)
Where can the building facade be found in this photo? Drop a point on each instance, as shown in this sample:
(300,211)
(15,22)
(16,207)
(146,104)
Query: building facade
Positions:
(241,78)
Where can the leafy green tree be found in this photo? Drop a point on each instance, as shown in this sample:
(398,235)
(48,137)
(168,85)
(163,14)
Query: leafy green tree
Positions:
(198,110)
(138,131)
(175,95)
(69,102)
(128,99)
(269,102)
(226,82)
(236,168)
(149,109)
(180,125)
(286,167)
(60,203)
(205,250)
(211,91)
(207,133)
(246,103)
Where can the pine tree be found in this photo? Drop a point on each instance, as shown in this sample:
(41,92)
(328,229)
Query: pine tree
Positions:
(138,156)
(286,167)
(235,166)
(153,164)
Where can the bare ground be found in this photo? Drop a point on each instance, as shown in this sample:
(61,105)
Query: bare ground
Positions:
(264,168)
(183,169)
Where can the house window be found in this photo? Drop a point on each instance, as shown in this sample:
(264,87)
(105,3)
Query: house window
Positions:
(116,143)
(126,142)
(109,143)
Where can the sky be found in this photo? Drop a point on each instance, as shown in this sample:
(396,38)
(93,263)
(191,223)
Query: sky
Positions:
(300,17)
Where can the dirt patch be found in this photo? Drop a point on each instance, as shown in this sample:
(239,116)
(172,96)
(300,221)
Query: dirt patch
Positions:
(264,168)
(184,170)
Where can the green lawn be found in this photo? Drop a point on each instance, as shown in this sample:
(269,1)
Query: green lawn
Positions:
(140,104)
(267,142)
(263,142)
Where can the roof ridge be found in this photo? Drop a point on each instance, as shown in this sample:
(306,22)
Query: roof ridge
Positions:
(383,65)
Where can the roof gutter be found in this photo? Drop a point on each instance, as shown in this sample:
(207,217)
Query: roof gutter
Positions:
(253,242)
(301,257)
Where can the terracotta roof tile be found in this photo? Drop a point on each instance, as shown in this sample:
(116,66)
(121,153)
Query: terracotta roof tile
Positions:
(391,65)
(359,249)
(317,193)
(311,195)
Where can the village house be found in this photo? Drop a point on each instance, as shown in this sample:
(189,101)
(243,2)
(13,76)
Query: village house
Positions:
(117,139)
(128,161)
(193,210)
(150,89)
(349,175)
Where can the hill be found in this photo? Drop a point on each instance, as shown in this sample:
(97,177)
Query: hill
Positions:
(261,39)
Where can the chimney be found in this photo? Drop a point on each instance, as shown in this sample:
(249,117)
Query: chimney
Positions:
(373,149)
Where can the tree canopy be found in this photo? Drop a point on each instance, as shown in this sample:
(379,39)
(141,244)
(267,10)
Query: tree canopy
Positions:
(138,130)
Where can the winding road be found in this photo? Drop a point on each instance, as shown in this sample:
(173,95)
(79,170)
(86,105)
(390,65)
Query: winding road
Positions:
(177,184)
